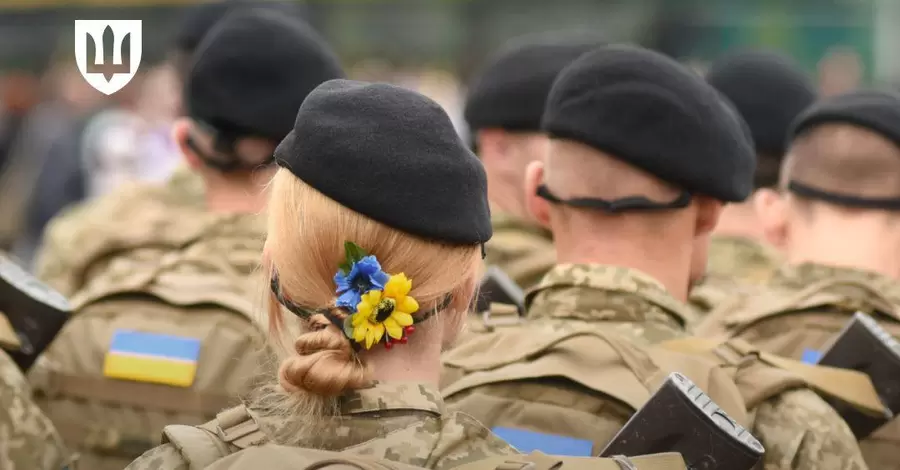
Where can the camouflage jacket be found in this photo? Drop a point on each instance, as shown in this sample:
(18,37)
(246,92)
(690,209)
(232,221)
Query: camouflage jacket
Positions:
(629,299)
(28,440)
(798,429)
(742,258)
(401,422)
(521,249)
(125,218)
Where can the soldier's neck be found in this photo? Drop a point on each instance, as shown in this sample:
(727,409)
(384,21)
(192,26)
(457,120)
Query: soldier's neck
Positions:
(853,253)
(861,244)
(507,198)
(740,220)
(243,196)
(419,361)
(664,262)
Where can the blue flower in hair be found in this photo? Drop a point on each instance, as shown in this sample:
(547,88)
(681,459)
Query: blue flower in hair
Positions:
(362,275)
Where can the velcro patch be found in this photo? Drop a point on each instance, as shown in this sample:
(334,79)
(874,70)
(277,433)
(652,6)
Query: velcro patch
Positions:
(811,356)
(530,441)
(152,357)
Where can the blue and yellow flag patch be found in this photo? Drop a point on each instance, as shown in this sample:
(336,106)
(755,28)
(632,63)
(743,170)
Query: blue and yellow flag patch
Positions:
(152,357)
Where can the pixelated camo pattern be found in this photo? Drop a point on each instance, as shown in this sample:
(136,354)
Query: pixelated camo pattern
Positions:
(130,216)
(742,258)
(521,249)
(827,443)
(401,422)
(799,430)
(28,440)
(594,293)
(801,275)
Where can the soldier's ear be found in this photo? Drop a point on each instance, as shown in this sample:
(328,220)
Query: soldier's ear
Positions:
(708,212)
(537,206)
(182,133)
(771,209)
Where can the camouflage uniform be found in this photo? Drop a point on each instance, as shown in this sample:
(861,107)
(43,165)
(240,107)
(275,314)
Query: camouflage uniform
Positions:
(742,258)
(74,237)
(402,422)
(28,440)
(521,249)
(802,308)
(795,426)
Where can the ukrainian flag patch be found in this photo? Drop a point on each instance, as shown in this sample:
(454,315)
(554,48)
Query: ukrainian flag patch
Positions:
(152,357)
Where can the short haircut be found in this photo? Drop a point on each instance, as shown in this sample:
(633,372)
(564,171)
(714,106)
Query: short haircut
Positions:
(845,159)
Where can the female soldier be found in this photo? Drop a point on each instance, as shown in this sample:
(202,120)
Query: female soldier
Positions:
(376,220)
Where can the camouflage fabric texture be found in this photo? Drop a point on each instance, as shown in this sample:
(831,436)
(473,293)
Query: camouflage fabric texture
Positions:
(82,233)
(402,422)
(521,249)
(803,307)
(192,275)
(742,258)
(28,440)
(809,433)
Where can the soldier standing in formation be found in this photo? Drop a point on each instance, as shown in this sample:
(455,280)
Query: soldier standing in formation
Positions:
(643,156)
(503,111)
(842,174)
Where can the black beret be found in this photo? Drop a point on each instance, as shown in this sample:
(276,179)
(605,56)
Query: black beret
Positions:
(769,92)
(390,154)
(653,113)
(253,71)
(511,91)
(878,111)
(200,19)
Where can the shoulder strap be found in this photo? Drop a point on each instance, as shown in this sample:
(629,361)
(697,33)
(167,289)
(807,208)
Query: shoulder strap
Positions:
(850,386)
(539,461)
(233,429)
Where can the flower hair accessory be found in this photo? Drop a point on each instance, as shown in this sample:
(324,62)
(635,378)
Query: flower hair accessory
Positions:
(371,307)
(379,304)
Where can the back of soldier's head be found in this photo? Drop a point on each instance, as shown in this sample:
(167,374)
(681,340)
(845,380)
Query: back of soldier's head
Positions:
(511,90)
(200,19)
(645,120)
(769,91)
(250,75)
(845,153)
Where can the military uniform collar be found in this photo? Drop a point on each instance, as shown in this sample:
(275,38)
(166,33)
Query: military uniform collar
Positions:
(383,396)
(801,275)
(595,292)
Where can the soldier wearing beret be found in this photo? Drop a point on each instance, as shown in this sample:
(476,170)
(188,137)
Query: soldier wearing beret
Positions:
(378,266)
(61,266)
(503,111)
(837,223)
(769,91)
(643,157)
(183,271)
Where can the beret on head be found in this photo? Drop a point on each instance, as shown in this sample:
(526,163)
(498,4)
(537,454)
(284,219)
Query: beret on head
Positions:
(651,112)
(769,92)
(390,154)
(200,19)
(878,111)
(253,71)
(511,91)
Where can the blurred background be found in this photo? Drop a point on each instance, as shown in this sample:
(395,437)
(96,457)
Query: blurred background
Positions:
(61,141)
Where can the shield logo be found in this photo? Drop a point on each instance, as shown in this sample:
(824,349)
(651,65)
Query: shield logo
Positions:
(108,53)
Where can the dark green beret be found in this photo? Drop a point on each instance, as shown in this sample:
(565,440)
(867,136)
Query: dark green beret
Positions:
(390,154)
(654,113)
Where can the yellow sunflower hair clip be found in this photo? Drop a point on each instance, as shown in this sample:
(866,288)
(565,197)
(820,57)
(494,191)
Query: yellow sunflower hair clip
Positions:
(379,305)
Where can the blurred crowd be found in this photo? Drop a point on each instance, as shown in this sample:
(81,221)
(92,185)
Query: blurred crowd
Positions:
(62,142)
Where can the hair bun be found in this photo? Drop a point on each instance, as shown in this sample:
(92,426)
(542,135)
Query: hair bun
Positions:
(325,365)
